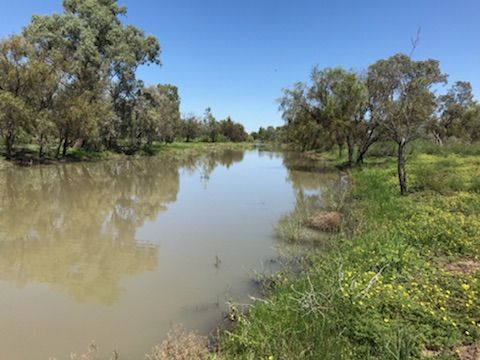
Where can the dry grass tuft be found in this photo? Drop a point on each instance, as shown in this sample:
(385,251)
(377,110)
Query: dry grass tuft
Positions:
(181,344)
(470,352)
(430,354)
(463,267)
(326,221)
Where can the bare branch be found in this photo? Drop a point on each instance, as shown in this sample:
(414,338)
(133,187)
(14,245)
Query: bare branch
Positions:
(415,41)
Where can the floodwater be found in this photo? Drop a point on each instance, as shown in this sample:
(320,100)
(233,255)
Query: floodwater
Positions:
(120,251)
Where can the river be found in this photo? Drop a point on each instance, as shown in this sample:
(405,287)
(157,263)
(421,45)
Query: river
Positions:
(120,251)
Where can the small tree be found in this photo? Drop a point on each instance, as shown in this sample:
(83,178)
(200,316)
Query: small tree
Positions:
(452,108)
(303,126)
(400,89)
(232,131)
(211,126)
(190,127)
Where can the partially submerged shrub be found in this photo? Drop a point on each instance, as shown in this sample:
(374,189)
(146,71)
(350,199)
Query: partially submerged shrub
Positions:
(181,344)
(291,228)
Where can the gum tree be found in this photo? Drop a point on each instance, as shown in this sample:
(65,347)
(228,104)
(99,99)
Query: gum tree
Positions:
(400,90)
(16,76)
(96,54)
(329,111)
(452,109)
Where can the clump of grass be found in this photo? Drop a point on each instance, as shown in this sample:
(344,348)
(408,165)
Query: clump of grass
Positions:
(181,344)
(291,227)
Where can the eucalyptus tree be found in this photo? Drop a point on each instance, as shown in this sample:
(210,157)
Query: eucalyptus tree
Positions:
(155,115)
(43,101)
(401,92)
(324,104)
(210,126)
(369,129)
(302,125)
(470,123)
(348,108)
(452,107)
(165,103)
(330,111)
(190,127)
(95,52)
(232,131)
(16,77)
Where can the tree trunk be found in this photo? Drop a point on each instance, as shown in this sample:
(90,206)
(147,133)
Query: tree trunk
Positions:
(402,175)
(438,138)
(57,154)
(40,148)
(65,146)
(362,150)
(360,155)
(9,138)
(149,142)
(350,151)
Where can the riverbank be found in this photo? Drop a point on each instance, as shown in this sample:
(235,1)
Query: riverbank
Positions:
(28,157)
(400,281)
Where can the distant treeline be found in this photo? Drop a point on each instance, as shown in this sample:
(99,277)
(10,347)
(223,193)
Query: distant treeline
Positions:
(70,80)
(395,99)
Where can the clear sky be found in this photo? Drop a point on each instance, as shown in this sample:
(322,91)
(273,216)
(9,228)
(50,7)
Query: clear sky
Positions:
(235,56)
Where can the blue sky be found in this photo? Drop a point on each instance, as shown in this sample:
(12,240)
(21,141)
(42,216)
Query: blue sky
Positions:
(236,56)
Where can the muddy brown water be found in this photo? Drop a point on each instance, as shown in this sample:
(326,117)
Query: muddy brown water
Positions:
(120,251)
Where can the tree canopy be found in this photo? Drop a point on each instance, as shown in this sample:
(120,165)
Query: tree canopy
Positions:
(70,79)
(393,100)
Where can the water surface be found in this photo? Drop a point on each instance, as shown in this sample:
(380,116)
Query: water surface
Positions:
(120,251)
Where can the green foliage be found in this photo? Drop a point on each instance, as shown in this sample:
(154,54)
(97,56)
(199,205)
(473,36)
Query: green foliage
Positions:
(329,111)
(209,129)
(458,115)
(450,146)
(392,102)
(232,131)
(69,80)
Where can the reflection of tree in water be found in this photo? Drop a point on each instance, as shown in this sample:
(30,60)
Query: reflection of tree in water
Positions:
(306,174)
(73,226)
(315,187)
(207,163)
(313,182)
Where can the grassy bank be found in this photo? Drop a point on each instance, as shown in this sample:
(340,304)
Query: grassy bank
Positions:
(29,156)
(399,282)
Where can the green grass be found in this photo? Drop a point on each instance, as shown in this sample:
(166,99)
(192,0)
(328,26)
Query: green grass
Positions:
(158,148)
(28,154)
(383,291)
